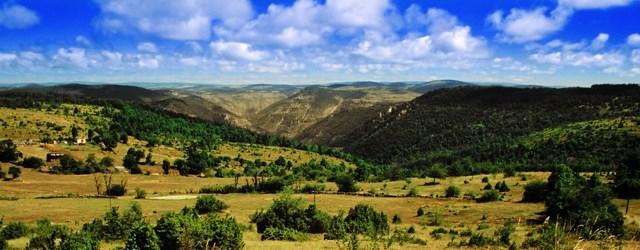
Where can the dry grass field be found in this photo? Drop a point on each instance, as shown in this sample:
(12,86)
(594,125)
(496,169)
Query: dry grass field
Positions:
(36,194)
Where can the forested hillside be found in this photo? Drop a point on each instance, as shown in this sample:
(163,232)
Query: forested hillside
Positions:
(502,126)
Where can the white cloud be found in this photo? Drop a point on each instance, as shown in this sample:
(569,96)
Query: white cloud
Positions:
(635,56)
(446,38)
(6,57)
(237,51)
(293,37)
(594,4)
(633,39)
(179,20)
(82,40)
(529,25)
(358,13)
(580,58)
(147,47)
(600,41)
(195,46)
(148,62)
(111,55)
(72,56)
(191,61)
(17,17)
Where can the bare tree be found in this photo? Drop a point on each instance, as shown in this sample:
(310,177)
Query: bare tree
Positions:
(96,180)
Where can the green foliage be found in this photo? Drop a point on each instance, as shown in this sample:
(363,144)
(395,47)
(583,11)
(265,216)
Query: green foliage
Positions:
(551,236)
(627,178)
(132,159)
(313,188)
(535,191)
(14,230)
(15,172)
(583,204)
(420,212)
(413,192)
(488,187)
(69,165)
(452,191)
(502,187)
(209,204)
(509,171)
(287,212)
(436,218)
(346,184)
(283,234)
(489,196)
(8,151)
(364,219)
(46,235)
(166,166)
(479,240)
(116,190)
(80,240)
(396,219)
(437,172)
(140,193)
(32,162)
(141,237)
(485,179)
(504,233)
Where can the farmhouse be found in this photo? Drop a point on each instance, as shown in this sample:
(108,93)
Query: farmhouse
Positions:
(54,156)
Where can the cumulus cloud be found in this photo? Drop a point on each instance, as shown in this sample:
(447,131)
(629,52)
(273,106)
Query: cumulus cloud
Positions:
(580,54)
(17,17)
(84,41)
(72,56)
(6,57)
(147,47)
(445,37)
(635,56)
(633,39)
(179,20)
(521,25)
(594,4)
(148,62)
(237,51)
(600,41)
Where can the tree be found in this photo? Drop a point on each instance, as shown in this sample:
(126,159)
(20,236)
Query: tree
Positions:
(534,191)
(142,237)
(281,161)
(74,132)
(627,179)
(209,204)
(346,184)
(32,162)
(452,191)
(437,171)
(166,166)
(15,172)
(8,151)
(131,160)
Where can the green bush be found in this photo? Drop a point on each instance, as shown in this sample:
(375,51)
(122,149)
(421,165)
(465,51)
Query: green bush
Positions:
(141,237)
(364,219)
(186,231)
(436,218)
(283,234)
(15,172)
(346,184)
(32,162)
(485,179)
(116,190)
(336,228)
(502,187)
(535,191)
(509,171)
(504,233)
(80,240)
(420,212)
(411,230)
(313,187)
(413,192)
(489,196)
(46,235)
(287,212)
(479,240)
(488,186)
(452,191)
(209,204)
(14,230)
(396,219)
(8,151)
(140,193)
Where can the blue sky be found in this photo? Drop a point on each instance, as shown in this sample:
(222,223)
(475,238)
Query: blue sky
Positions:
(553,42)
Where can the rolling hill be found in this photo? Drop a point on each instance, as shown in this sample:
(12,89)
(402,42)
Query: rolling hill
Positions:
(484,123)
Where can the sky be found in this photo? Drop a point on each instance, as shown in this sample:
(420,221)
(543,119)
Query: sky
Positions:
(550,42)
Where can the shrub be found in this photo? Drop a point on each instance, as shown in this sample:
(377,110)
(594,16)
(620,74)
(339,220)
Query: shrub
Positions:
(405,236)
(287,212)
(209,204)
(502,187)
(504,233)
(413,192)
(452,191)
(8,151)
(420,212)
(485,179)
(313,187)
(346,184)
(411,230)
(142,237)
(32,162)
(479,240)
(509,171)
(80,240)
(15,172)
(283,234)
(46,235)
(117,190)
(140,193)
(336,228)
(489,196)
(396,219)
(170,228)
(223,233)
(364,219)
(488,187)
(14,230)
(436,218)
(535,191)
